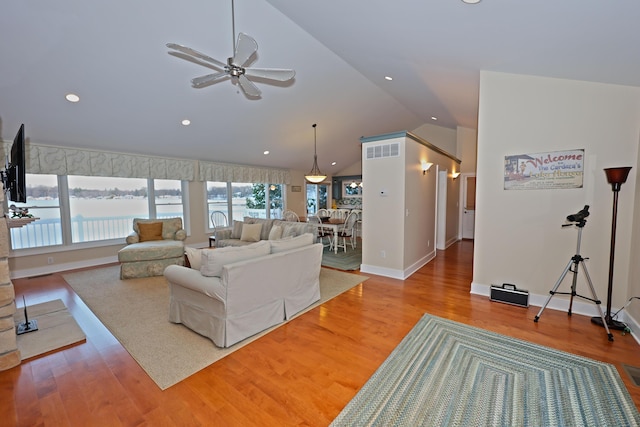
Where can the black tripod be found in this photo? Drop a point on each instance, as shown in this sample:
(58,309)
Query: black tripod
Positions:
(575,261)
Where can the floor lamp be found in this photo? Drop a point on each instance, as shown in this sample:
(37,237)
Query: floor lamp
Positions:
(616,177)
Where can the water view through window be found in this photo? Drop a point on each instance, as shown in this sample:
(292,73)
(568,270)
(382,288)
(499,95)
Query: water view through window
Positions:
(99,208)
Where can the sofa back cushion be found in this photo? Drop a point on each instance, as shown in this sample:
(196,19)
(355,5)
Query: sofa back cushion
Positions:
(275,233)
(237,229)
(291,243)
(214,260)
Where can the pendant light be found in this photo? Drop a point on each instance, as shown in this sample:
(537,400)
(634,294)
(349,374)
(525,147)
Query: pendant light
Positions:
(315,176)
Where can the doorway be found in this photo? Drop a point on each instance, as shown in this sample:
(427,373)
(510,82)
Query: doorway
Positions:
(468,195)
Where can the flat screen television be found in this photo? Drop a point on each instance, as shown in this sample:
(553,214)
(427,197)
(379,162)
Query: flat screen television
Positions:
(14,177)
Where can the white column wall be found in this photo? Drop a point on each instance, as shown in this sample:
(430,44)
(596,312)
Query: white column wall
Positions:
(519,238)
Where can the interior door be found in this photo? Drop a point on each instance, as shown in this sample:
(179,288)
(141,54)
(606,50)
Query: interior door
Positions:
(469,212)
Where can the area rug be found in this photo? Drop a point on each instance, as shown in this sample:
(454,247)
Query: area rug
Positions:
(136,312)
(349,260)
(445,373)
(56,329)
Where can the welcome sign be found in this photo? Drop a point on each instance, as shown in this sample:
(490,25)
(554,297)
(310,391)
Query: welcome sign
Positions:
(541,171)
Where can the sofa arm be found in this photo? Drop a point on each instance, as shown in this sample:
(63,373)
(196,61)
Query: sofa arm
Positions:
(180,234)
(133,238)
(192,279)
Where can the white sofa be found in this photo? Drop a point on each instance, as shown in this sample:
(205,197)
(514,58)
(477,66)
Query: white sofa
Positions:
(232,235)
(239,298)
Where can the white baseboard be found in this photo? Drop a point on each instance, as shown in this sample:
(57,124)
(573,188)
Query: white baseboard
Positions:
(562,304)
(55,268)
(395,273)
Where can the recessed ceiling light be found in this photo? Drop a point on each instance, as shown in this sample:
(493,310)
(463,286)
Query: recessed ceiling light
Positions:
(434,118)
(266,152)
(471,1)
(334,163)
(72,97)
(388,78)
(186,122)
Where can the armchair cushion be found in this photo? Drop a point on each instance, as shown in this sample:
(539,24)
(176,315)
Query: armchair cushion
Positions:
(150,231)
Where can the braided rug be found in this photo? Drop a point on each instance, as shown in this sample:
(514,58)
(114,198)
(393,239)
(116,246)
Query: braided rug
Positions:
(445,373)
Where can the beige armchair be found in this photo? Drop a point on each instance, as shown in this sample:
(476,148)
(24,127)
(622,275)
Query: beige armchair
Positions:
(154,245)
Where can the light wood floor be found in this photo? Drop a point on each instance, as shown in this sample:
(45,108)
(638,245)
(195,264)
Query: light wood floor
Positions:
(303,373)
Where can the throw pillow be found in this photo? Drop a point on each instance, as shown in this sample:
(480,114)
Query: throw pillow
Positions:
(237,229)
(291,243)
(251,232)
(150,231)
(194,256)
(275,233)
(213,261)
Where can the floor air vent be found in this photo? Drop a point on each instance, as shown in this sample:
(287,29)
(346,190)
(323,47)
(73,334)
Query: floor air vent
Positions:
(634,374)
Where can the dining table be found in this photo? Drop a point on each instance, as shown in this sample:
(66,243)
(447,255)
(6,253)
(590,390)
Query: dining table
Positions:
(334,225)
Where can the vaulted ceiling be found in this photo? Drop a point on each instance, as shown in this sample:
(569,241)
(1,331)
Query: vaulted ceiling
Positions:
(134,95)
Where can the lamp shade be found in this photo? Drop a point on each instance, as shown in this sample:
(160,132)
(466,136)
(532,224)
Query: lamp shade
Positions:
(617,176)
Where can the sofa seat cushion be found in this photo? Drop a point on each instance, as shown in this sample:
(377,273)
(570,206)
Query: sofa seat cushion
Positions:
(149,251)
(231,242)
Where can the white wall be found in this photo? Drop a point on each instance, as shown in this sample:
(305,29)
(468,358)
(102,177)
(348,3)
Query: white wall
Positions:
(439,136)
(467,149)
(519,238)
(399,205)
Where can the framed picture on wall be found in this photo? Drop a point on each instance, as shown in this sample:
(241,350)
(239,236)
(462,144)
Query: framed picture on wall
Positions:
(541,171)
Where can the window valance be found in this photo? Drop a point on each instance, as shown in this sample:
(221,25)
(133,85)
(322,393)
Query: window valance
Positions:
(44,159)
(226,172)
(47,159)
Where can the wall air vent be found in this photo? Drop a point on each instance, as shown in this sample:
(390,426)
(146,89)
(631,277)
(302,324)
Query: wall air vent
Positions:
(385,150)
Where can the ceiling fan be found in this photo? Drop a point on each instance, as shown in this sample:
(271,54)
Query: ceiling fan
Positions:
(236,67)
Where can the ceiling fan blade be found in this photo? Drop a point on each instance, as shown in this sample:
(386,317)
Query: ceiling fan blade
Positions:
(208,79)
(196,54)
(245,48)
(279,74)
(248,87)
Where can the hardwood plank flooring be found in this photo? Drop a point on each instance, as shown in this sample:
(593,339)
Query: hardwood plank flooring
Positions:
(303,373)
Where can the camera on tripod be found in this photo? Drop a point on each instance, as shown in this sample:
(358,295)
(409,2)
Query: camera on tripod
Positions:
(579,216)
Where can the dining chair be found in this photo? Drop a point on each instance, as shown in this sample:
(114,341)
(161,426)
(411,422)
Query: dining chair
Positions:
(290,215)
(323,212)
(347,231)
(321,232)
(218,219)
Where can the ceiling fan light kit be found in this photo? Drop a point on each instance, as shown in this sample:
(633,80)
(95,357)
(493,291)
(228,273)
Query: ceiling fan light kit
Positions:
(315,176)
(236,67)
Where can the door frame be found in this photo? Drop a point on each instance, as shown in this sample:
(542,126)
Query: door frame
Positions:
(463,194)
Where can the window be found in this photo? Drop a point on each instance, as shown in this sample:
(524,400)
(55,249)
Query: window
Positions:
(43,202)
(167,197)
(217,199)
(82,209)
(247,199)
(316,197)
(103,208)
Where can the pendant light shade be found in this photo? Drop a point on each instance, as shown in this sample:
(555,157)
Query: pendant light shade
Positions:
(315,176)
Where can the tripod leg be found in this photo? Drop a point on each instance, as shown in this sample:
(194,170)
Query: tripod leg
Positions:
(597,301)
(553,291)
